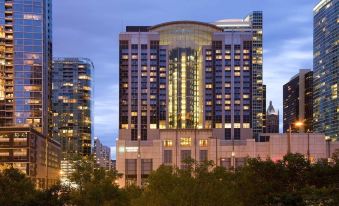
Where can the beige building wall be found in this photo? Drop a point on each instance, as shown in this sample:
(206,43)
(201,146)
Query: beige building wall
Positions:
(226,153)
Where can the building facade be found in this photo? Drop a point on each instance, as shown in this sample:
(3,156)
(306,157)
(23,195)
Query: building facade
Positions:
(71,107)
(192,76)
(25,59)
(272,119)
(326,68)
(298,101)
(72,102)
(173,148)
(102,154)
(25,148)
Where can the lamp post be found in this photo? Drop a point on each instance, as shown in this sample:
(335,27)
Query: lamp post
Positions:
(328,149)
(308,145)
(216,150)
(297,124)
(139,163)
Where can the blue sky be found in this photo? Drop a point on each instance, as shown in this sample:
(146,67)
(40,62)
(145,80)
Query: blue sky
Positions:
(90,28)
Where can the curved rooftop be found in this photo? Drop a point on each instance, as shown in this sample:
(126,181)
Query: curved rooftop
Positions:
(185,22)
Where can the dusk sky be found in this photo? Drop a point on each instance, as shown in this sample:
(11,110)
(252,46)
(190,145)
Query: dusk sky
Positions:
(90,28)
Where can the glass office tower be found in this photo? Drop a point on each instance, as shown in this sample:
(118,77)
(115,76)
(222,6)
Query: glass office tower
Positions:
(72,101)
(25,59)
(326,68)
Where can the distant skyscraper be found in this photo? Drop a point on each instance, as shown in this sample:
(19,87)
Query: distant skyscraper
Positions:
(102,154)
(272,119)
(72,101)
(326,68)
(190,77)
(25,63)
(298,101)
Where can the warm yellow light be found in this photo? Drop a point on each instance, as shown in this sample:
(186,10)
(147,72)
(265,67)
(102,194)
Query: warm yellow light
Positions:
(299,124)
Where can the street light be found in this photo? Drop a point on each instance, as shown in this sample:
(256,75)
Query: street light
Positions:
(328,142)
(216,150)
(297,124)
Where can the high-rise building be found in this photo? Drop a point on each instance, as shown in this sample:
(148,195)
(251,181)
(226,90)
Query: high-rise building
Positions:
(326,68)
(25,63)
(189,78)
(72,101)
(102,154)
(272,119)
(298,101)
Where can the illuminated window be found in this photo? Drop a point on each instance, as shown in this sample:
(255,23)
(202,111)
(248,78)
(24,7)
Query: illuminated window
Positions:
(162,125)
(185,141)
(209,86)
(228,125)
(218,125)
(168,143)
(236,125)
(237,74)
(227,108)
(246,96)
(246,125)
(246,107)
(124,126)
(237,68)
(32,17)
(203,143)
(153,126)
(134,56)
(227,102)
(134,114)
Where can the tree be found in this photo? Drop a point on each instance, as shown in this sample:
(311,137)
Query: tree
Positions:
(15,188)
(96,186)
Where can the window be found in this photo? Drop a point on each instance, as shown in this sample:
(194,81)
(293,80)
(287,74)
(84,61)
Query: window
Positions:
(131,166)
(228,125)
(185,141)
(228,133)
(168,143)
(167,156)
(185,155)
(239,162)
(237,133)
(226,163)
(146,166)
(203,155)
(203,143)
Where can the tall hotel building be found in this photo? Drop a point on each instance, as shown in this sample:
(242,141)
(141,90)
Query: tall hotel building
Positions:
(326,68)
(298,102)
(185,84)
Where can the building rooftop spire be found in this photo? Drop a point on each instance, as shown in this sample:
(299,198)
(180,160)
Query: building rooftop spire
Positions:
(271,109)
